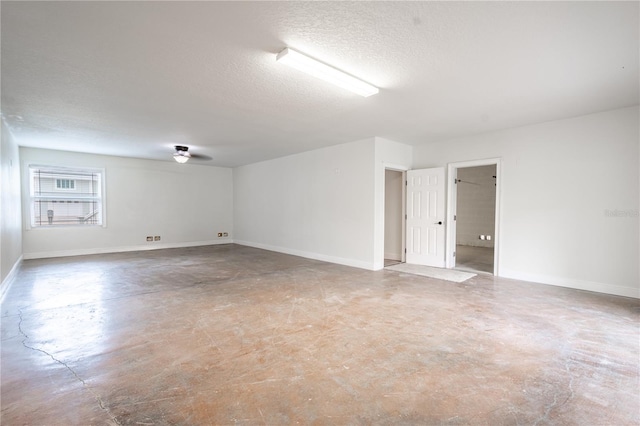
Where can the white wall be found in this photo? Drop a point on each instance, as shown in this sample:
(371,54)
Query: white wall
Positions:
(476,205)
(559,180)
(393,218)
(185,204)
(317,204)
(10,212)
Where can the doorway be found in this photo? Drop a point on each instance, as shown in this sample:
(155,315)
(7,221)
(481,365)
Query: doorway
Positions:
(473,215)
(394,225)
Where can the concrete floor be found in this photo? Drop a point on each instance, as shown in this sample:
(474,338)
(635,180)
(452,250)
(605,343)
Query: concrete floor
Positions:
(474,259)
(230,334)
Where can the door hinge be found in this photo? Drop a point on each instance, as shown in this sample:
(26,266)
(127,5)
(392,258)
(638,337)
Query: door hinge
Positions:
(454,217)
(455,181)
(454,254)
(405,217)
(406,183)
(405,251)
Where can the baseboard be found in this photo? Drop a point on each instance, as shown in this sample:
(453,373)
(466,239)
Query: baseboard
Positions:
(477,244)
(103,250)
(8,280)
(310,255)
(570,283)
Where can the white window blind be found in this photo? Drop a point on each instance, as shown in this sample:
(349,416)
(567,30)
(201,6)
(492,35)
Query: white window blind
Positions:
(65,196)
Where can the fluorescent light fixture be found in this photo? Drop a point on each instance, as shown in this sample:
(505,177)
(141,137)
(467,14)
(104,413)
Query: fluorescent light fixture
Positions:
(325,72)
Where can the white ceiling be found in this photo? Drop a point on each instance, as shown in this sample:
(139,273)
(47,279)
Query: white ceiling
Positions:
(136,78)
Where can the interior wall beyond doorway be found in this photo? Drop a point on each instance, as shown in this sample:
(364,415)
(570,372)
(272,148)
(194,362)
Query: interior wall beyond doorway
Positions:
(393,215)
(476,206)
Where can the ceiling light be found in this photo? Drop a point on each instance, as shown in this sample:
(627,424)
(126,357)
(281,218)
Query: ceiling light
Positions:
(325,72)
(182,154)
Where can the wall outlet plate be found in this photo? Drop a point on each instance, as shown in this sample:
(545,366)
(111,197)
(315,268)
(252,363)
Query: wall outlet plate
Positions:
(225,234)
(219,234)
(149,238)
(156,238)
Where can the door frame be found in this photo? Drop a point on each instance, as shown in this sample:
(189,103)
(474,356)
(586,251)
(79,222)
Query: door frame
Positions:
(403,170)
(450,236)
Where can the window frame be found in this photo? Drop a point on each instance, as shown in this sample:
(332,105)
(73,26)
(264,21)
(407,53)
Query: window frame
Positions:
(63,195)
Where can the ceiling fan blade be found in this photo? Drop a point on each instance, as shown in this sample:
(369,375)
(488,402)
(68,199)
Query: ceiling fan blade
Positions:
(201,157)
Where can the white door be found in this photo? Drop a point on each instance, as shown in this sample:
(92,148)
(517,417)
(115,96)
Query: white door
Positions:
(425,217)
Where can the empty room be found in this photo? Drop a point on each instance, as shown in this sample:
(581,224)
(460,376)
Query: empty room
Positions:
(414,213)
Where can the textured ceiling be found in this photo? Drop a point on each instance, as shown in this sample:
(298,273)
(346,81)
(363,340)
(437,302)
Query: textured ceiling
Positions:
(136,78)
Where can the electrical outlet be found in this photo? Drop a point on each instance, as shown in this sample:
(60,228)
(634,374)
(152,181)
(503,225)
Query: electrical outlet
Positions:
(149,238)
(156,238)
(219,234)
(225,234)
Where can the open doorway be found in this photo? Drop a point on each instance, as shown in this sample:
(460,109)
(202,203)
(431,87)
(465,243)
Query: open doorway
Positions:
(394,225)
(473,215)
(475,218)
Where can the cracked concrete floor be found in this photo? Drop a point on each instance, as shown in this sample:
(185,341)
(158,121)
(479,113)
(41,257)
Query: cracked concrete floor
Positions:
(230,334)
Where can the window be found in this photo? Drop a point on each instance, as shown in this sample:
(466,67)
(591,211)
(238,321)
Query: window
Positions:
(65,196)
(65,184)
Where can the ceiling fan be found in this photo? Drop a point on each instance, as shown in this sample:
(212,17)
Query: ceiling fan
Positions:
(182,155)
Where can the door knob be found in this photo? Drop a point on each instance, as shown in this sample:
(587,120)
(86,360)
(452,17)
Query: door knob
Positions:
(439,223)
